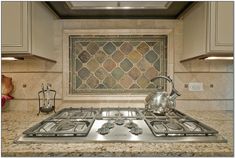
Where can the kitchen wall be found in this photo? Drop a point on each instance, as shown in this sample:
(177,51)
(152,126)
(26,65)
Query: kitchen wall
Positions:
(217,76)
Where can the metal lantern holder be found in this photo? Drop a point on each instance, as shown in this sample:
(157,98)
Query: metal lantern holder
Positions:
(52,100)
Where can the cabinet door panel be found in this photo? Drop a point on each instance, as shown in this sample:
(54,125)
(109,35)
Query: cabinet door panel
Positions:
(14,27)
(221,26)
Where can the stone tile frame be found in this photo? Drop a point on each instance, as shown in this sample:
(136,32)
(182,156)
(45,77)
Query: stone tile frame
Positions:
(114,97)
(141,59)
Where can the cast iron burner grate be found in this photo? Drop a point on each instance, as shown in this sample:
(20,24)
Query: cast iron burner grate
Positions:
(176,123)
(67,122)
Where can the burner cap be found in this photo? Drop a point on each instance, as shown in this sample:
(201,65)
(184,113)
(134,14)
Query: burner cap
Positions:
(136,130)
(119,121)
(131,124)
(173,126)
(103,130)
(108,125)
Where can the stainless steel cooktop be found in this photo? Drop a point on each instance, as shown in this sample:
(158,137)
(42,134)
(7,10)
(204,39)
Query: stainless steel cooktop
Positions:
(119,125)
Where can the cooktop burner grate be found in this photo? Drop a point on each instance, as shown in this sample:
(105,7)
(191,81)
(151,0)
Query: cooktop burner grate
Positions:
(67,122)
(176,123)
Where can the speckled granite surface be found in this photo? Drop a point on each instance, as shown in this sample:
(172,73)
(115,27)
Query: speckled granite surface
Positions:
(14,123)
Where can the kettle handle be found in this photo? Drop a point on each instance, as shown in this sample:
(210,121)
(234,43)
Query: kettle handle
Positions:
(169,80)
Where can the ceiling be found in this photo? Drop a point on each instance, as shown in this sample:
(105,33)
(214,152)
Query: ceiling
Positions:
(118,9)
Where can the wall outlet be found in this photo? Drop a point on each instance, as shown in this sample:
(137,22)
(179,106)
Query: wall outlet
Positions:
(195,86)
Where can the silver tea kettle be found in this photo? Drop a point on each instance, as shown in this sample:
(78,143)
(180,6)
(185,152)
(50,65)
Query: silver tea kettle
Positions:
(160,102)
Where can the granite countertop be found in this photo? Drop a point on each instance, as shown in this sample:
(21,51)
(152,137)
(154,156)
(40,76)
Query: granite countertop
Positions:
(14,123)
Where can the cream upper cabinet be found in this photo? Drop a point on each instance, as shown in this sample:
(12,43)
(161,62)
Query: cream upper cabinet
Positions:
(220,26)
(208,30)
(15,31)
(27,30)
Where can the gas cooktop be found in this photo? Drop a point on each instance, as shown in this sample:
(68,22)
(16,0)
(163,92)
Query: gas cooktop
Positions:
(119,125)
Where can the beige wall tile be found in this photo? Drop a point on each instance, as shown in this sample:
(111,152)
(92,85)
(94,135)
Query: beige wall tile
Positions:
(204,105)
(99,104)
(219,66)
(222,85)
(33,83)
(27,105)
(230,67)
(119,24)
(199,66)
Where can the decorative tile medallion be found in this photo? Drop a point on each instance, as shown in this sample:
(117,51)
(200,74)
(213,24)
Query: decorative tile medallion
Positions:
(116,64)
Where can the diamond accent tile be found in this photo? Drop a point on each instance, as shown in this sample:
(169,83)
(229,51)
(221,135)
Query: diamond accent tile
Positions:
(134,86)
(109,48)
(84,86)
(78,48)
(101,44)
(78,65)
(134,43)
(151,56)
(100,56)
(109,81)
(157,65)
(143,81)
(134,73)
(157,47)
(143,65)
(92,65)
(126,65)
(126,48)
(84,73)
(126,81)
(151,43)
(101,86)
(117,56)
(117,63)
(109,65)
(143,48)
(84,57)
(92,48)
(117,86)
(101,73)
(117,43)
(117,73)
(92,81)
(134,56)
(151,73)
(84,43)
(78,82)
(151,86)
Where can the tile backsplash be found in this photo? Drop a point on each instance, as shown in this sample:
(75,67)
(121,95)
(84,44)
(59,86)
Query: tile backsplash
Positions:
(116,63)
(33,72)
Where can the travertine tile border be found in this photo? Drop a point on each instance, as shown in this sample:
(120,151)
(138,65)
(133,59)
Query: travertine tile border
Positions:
(104,98)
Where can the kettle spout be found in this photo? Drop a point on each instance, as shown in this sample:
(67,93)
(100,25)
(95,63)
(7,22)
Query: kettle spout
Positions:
(174,94)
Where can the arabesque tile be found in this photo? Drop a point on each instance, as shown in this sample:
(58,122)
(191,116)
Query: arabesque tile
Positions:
(109,65)
(115,63)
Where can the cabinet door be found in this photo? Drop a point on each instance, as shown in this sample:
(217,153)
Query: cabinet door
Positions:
(220,27)
(15,27)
